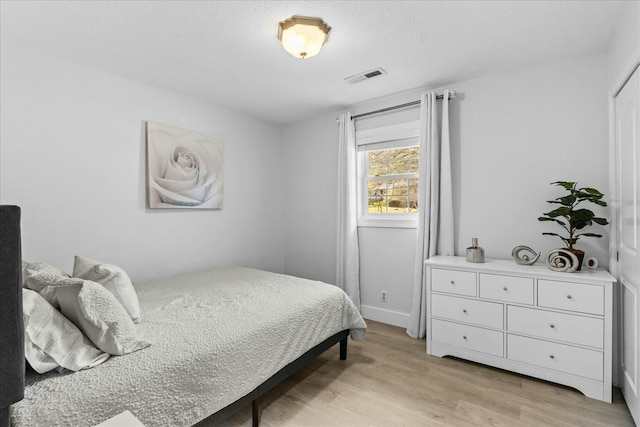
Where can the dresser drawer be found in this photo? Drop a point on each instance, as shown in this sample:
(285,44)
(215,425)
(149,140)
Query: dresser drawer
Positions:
(558,326)
(469,337)
(506,288)
(559,357)
(453,282)
(481,313)
(571,296)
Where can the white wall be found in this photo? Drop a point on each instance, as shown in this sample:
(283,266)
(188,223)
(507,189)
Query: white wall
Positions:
(511,135)
(625,48)
(72,155)
(309,162)
(387,257)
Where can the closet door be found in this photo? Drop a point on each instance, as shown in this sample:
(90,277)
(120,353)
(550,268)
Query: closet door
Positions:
(627,122)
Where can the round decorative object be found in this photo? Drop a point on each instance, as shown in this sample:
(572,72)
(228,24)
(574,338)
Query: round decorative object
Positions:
(592,263)
(563,261)
(528,258)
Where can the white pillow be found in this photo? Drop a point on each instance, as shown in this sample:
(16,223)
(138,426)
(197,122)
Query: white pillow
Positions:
(52,341)
(45,273)
(97,313)
(43,266)
(40,361)
(113,278)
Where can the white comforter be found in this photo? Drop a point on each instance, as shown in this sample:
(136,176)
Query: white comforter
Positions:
(215,336)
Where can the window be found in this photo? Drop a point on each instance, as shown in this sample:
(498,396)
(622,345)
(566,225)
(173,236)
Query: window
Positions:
(388,176)
(392,180)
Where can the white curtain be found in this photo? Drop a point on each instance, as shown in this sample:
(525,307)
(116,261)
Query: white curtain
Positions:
(348,254)
(435,202)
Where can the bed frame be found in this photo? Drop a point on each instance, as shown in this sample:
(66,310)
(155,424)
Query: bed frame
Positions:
(12,361)
(278,377)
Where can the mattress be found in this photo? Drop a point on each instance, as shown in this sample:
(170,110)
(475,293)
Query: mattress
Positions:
(215,336)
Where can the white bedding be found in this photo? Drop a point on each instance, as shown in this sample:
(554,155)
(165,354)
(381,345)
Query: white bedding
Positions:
(215,336)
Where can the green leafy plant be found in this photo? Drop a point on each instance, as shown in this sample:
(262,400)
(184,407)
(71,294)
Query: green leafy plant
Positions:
(571,218)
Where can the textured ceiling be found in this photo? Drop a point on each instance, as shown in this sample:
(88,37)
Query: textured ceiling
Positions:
(227,52)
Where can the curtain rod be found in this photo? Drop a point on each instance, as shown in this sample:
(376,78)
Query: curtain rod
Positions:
(452,95)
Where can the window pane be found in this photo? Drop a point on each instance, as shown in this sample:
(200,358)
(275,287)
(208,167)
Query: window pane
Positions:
(378,168)
(377,188)
(413,195)
(413,203)
(399,153)
(377,205)
(399,166)
(398,186)
(378,163)
(399,160)
(413,159)
(414,165)
(378,156)
(398,204)
(413,186)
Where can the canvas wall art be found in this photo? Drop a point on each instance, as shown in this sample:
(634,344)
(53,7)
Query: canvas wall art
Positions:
(184,168)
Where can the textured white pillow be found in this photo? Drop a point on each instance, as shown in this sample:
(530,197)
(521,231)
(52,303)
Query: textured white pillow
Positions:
(113,278)
(51,340)
(97,313)
(45,273)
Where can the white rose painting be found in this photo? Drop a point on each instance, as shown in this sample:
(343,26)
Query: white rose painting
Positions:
(184,168)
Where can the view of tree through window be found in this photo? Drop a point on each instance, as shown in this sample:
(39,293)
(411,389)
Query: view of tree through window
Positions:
(392,180)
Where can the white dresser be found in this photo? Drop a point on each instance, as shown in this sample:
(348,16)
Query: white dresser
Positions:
(526,319)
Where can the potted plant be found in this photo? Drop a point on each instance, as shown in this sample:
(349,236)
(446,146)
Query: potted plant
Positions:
(573,219)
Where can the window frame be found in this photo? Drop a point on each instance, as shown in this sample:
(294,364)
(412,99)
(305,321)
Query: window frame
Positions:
(387,137)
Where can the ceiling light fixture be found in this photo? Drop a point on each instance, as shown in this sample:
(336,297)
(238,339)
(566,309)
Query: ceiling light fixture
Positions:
(303,36)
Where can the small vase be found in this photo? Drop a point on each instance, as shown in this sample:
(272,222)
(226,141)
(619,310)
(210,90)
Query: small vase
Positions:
(579,254)
(474,252)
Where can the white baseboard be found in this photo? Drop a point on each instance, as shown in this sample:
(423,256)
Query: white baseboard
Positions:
(389,317)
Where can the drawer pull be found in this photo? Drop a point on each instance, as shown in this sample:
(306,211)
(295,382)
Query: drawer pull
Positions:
(551,356)
(552,326)
(464,337)
(569,297)
(505,289)
(464,310)
(453,282)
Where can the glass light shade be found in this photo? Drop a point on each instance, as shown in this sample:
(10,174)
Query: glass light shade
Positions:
(302,36)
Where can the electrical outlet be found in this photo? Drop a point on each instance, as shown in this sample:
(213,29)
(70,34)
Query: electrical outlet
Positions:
(384,296)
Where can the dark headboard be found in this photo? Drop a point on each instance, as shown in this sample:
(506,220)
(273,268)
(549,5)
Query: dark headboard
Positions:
(12,364)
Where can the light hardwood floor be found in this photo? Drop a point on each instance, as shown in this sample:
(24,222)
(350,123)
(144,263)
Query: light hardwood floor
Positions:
(389,380)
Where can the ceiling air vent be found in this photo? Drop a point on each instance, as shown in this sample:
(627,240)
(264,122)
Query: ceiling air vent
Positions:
(366,75)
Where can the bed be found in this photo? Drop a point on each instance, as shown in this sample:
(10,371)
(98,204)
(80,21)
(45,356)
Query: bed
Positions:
(219,340)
